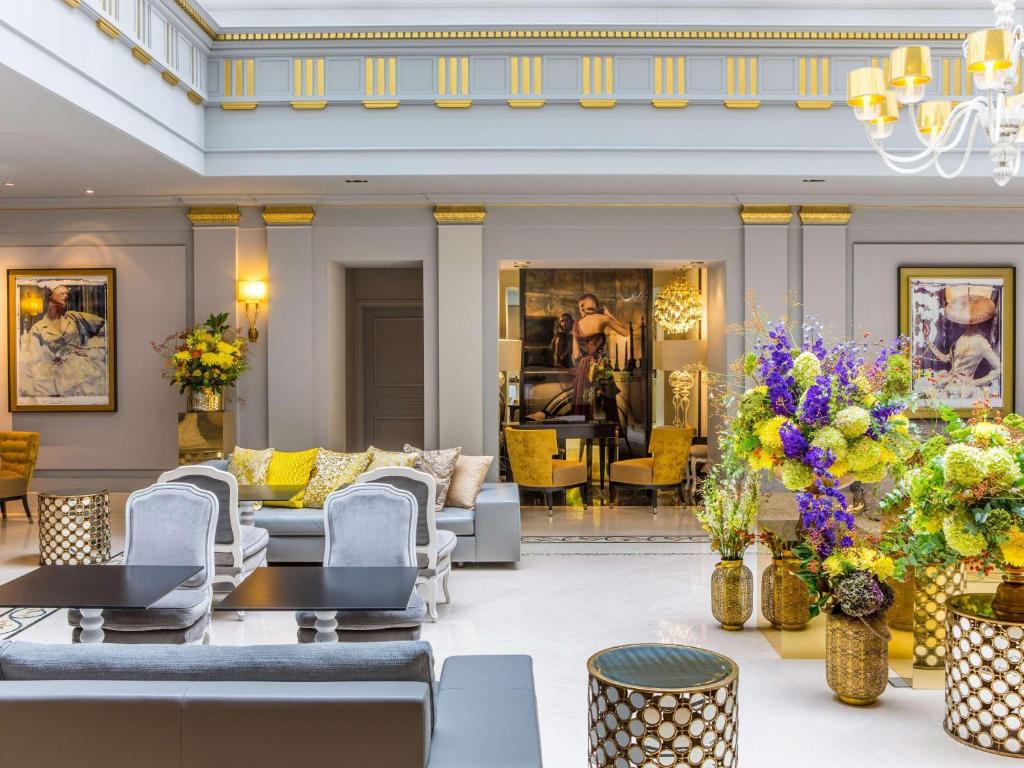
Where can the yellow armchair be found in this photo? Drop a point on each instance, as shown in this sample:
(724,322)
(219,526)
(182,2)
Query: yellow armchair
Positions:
(18,454)
(531,455)
(664,468)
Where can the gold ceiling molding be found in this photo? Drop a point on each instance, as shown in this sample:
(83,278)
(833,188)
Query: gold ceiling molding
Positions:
(766,214)
(169,78)
(742,103)
(238,106)
(814,105)
(526,103)
(108,29)
(73,3)
(141,55)
(289,214)
(380,103)
(453,103)
(825,214)
(670,103)
(195,98)
(214,215)
(609,34)
(196,18)
(460,214)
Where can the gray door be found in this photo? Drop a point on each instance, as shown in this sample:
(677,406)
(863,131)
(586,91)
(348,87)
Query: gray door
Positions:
(392,376)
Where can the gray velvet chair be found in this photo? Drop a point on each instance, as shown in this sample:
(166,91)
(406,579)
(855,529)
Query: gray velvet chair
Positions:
(238,549)
(166,524)
(433,547)
(370,525)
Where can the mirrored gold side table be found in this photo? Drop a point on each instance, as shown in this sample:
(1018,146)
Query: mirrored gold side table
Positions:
(662,705)
(74,527)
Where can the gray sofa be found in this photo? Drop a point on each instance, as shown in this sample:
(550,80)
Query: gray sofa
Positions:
(343,705)
(488,534)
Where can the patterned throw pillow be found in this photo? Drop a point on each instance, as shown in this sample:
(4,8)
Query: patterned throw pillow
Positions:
(291,468)
(331,471)
(469,476)
(249,466)
(380,458)
(440,464)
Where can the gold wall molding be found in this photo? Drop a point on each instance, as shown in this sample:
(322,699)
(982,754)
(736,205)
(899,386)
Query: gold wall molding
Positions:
(766,214)
(288,214)
(196,18)
(597,103)
(453,103)
(670,103)
(526,103)
(814,104)
(214,215)
(309,104)
(194,97)
(742,103)
(141,55)
(460,214)
(380,103)
(108,29)
(169,78)
(238,106)
(825,214)
(73,3)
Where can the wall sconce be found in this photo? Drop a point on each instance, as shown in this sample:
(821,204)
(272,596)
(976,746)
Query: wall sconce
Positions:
(251,293)
(32,306)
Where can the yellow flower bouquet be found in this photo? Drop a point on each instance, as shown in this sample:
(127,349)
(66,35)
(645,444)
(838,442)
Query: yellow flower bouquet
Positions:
(211,356)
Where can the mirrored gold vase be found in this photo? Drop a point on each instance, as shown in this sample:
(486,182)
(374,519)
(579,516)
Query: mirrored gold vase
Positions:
(732,594)
(792,598)
(856,657)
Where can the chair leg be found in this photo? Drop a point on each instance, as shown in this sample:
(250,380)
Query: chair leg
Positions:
(240,615)
(654,500)
(611,495)
(585,488)
(3,509)
(444,586)
(547,498)
(24,503)
(432,597)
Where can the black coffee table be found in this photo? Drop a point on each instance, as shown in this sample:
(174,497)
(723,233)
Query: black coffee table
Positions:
(324,591)
(92,588)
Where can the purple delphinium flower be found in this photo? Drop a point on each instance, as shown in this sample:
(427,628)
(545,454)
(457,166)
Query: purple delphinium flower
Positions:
(816,400)
(781,394)
(880,415)
(814,341)
(794,444)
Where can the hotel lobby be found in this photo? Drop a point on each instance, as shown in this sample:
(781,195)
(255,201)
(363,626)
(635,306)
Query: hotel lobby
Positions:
(448,385)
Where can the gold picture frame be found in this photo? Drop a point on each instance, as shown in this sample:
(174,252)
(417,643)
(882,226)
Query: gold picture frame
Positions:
(960,322)
(62,340)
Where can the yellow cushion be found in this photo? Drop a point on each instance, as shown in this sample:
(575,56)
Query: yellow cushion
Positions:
(250,466)
(331,471)
(567,472)
(380,458)
(291,468)
(633,471)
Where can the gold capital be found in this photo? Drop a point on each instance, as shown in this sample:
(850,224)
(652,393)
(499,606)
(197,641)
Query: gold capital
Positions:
(289,214)
(108,29)
(214,215)
(459,214)
(766,214)
(825,214)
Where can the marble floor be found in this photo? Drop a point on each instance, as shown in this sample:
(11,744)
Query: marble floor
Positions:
(566,600)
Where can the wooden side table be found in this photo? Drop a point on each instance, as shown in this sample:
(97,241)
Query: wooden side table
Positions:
(74,527)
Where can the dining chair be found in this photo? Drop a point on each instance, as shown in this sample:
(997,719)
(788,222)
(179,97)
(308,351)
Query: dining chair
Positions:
(531,454)
(665,468)
(166,524)
(433,547)
(370,525)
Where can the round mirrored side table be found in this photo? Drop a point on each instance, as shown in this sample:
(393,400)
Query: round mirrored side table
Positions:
(74,527)
(662,706)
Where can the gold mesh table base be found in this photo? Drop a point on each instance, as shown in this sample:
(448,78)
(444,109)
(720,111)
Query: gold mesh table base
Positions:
(984,673)
(74,528)
(933,587)
(674,727)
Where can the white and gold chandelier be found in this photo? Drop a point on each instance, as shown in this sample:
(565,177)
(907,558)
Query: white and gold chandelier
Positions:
(992,57)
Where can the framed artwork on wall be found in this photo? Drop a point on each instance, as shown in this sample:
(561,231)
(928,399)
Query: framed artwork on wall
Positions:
(960,321)
(61,340)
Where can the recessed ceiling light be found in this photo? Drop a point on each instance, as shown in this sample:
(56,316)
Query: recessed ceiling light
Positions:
(357,181)
(8,183)
(814,181)
(90,191)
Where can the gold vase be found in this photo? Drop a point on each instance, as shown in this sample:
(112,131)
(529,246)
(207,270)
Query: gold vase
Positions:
(856,657)
(768,579)
(901,614)
(1009,600)
(933,586)
(732,594)
(792,599)
(204,400)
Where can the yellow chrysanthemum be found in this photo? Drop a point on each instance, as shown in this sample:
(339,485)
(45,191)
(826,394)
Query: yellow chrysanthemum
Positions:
(833,564)
(1013,548)
(759,460)
(839,468)
(883,567)
(768,433)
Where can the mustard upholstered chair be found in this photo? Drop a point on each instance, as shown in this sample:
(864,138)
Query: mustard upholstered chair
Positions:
(531,453)
(18,454)
(664,468)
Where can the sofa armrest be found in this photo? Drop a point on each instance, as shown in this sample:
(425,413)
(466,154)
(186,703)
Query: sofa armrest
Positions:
(496,526)
(217,464)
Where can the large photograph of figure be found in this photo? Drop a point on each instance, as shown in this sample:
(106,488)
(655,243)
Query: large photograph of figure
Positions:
(61,340)
(960,324)
(586,347)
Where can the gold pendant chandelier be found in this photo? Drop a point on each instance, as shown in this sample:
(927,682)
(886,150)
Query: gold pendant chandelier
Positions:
(679,306)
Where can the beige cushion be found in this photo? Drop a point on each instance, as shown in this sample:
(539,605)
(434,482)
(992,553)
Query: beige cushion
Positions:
(469,476)
(12,484)
(633,471)
(567,472)
(440,464)
(250,466)
(381,458)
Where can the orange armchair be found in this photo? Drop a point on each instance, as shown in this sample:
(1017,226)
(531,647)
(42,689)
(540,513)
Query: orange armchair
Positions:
(18,454)
(664,468)
(531,454)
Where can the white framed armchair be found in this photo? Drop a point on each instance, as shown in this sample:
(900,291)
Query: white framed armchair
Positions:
(433,547)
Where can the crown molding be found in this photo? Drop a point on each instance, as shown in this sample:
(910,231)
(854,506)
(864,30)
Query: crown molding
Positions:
(288,214)
(214,215)
(766,214)
(825,214)
(196,18)
(460,214)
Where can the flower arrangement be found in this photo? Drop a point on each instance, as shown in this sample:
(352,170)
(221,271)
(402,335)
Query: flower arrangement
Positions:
(211,356)
(729,510)
(850,581)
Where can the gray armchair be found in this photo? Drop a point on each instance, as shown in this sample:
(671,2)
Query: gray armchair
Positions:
(370,525)
(166,524)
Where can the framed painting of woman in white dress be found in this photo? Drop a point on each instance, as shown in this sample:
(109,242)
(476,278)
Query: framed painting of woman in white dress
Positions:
(960,324)
(61,351)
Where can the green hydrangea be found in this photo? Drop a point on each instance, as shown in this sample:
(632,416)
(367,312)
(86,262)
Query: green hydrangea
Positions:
(897,377)
(806,368)
(985,434)
(853,421)
(796,475)
(755,406)
(831,439)
(921,522)
(873,474)
(863,453)
(918,482)
(959,539)
(933,447)
(998,524)
(964,465)
(1002,467)
(1014,421)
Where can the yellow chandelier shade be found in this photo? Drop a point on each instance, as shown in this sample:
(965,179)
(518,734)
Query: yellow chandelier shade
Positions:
(890,110)
(865,86)
(678,306)
(932,116)
(910,65)
(989,49)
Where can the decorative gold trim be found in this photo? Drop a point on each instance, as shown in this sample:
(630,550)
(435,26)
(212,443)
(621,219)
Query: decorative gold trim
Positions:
(670,103)
(460,214)
(238,106)
(380,103)
(196,18)
(170,79)
(108,29)
(766,214)
(742,103)
(309,104)
(289,214)
(814,105)
(214,215)
(141,55)
(453,103)
(825,214)
(195,98)
(73,3)
(526,103)
(597,103)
